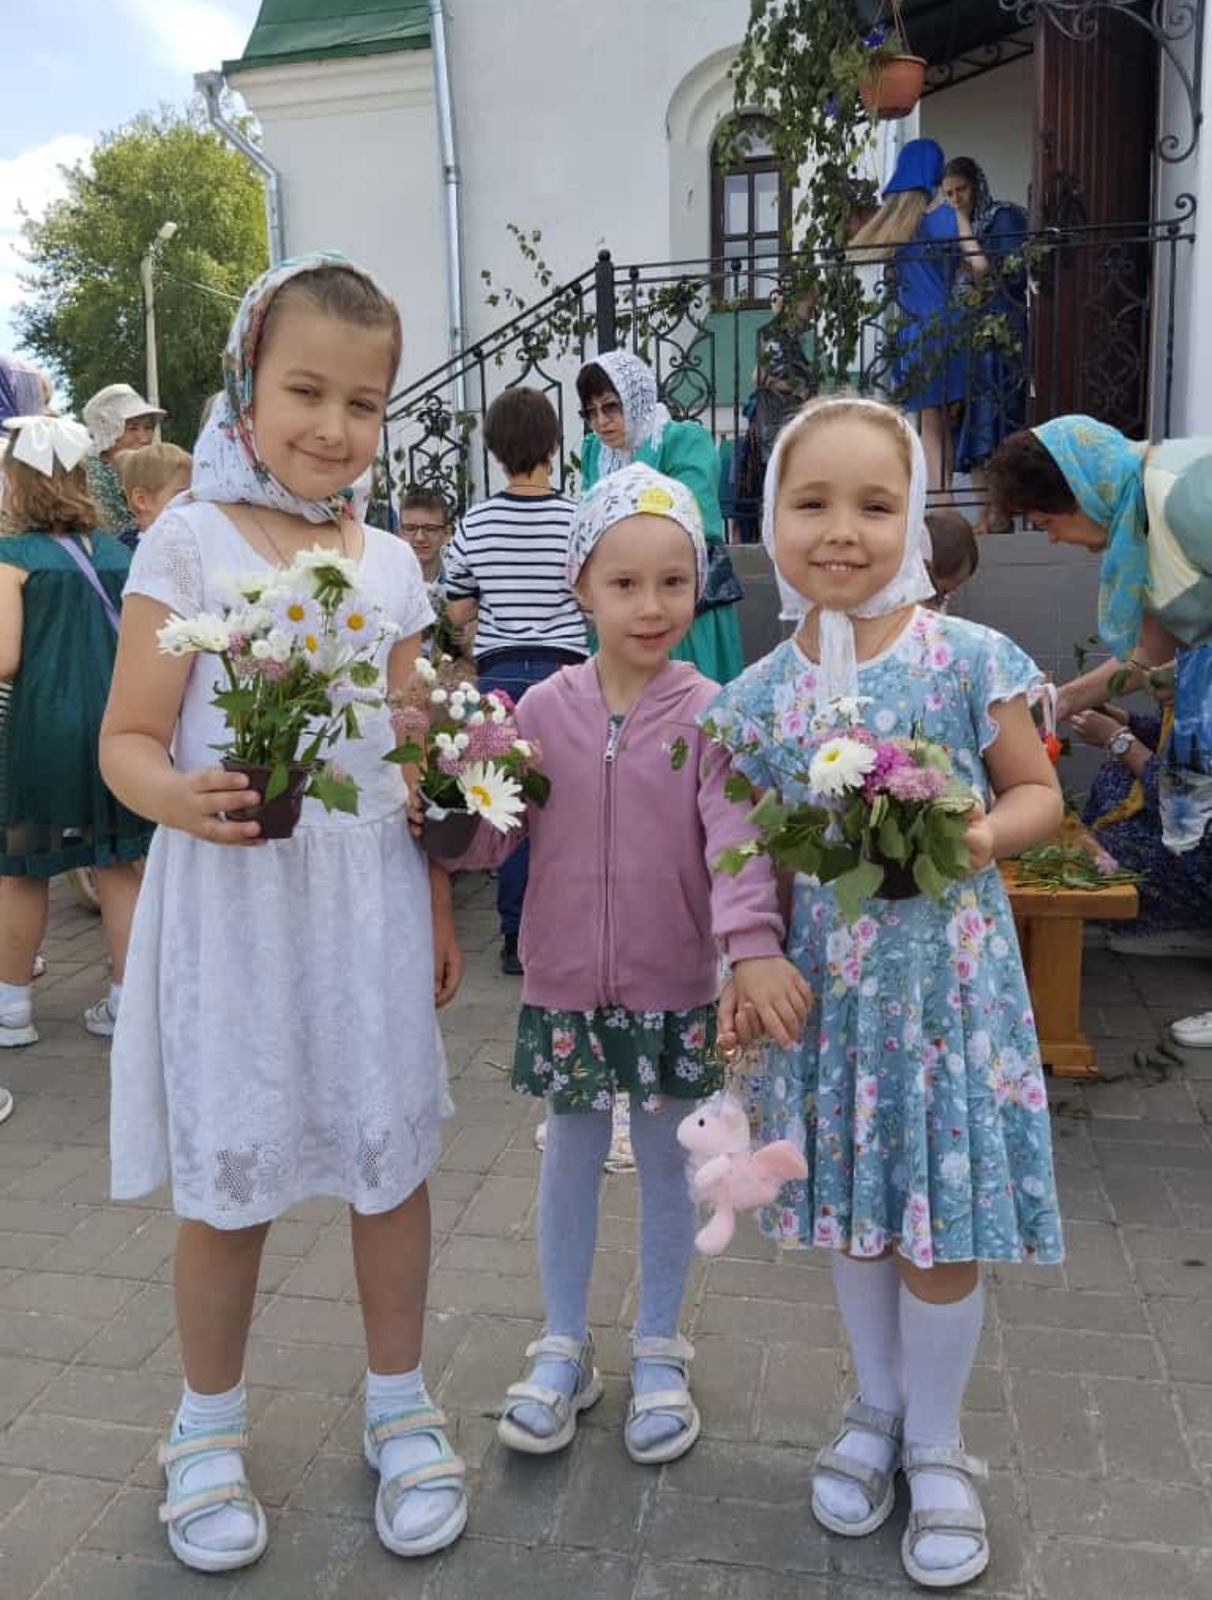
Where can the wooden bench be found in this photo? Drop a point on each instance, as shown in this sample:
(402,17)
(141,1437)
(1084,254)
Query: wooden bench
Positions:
(1050,926)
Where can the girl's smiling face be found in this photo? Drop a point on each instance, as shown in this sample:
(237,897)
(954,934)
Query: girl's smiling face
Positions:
(319,397)
(639,587)
(842,510)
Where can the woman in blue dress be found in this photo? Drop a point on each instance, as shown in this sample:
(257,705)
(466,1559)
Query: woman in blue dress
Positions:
(991,285)
(921,239)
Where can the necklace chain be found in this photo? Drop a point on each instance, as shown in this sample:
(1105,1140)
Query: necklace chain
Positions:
(273,543)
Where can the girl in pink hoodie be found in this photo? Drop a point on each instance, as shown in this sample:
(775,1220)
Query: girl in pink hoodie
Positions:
(622,931)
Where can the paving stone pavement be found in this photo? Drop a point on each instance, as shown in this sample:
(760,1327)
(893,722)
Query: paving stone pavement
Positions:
(1092,1399)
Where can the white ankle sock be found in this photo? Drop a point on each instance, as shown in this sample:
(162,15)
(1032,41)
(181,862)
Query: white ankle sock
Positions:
(15,1004)
(939,1343)
(868,1298)
(422,1510)
(115,997)
(227,1527)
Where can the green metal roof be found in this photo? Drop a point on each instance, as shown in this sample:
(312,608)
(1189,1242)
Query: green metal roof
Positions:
(317,30)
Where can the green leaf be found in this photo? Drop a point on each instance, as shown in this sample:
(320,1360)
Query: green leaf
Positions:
(770,813)
(854,888)
(334,794)
(278,780)
(738,858)
(409,754)
(235,702)
(738,788)
(536,786)
(892,841)
(364,675)
(678,754)
(928,878)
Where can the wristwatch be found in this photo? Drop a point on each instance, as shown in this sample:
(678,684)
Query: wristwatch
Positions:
(1120,743)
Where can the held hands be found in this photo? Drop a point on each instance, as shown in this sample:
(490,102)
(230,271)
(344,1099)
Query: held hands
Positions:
(766,997)
(208,804)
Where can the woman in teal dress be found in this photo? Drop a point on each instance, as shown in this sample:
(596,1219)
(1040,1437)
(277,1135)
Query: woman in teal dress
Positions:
(627,422)
(58,639)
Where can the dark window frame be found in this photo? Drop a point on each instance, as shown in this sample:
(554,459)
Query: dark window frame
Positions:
(754,244)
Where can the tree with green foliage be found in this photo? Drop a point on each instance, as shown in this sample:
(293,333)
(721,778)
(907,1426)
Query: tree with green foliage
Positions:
(84,317)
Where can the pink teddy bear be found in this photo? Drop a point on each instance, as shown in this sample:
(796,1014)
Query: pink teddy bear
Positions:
(726,1172)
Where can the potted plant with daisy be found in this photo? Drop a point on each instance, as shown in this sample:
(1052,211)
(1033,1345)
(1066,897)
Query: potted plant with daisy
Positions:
(300,654)
(885,818)
(473,765)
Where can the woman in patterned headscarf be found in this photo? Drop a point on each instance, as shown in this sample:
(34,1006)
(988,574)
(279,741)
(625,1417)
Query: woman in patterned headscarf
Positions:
(627,422)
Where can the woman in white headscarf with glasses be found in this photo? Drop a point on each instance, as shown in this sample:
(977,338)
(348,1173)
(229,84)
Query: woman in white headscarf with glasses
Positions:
(626,421)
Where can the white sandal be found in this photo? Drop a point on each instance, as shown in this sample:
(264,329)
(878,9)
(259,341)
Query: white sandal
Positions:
(447,1472)
(565,1409)
(676,1353)
(879,1487)
(180,1509)
(967,1523)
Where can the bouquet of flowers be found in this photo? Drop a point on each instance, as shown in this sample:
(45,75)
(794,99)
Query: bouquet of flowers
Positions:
(473,762)
(298,648)
(886,818)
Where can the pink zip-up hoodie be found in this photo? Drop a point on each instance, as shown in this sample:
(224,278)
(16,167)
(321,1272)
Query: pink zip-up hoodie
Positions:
(622,908)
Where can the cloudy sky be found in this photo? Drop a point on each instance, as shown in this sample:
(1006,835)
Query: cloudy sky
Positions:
(79,68)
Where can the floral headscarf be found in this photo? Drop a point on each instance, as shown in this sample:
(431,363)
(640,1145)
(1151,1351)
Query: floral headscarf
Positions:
(838,675)
(1105,471)
(636,490)
(644,417)
(227,466)
(21,393)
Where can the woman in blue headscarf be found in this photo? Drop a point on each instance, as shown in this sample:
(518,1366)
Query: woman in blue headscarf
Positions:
(923,240)
(1146,510)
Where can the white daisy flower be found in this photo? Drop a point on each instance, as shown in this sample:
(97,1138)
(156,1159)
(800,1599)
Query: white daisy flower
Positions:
(840,765)
(491,795)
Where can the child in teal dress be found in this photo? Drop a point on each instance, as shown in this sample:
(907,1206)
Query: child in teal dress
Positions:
(917,1093)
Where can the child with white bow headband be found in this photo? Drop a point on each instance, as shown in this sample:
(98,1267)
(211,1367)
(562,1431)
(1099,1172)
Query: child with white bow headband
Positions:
(917,1092)
(60,590)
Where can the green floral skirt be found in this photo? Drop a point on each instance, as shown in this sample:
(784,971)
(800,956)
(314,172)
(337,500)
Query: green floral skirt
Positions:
(581,1059)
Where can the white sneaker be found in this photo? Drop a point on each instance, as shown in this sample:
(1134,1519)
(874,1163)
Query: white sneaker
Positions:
(1195,1032)
(39,965)
(100,1019)
(6,1103)
(17,1027)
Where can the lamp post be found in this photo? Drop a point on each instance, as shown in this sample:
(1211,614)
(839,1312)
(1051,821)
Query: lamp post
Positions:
(147,277)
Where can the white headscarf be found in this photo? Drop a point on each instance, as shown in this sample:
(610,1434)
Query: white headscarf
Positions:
(838,674)
(227,465)
(638,490)
(644,417)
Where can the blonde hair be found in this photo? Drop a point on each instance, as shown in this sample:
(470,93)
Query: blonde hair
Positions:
(152,467)
(34,502)
(894,224)
(836,407)
(343,292)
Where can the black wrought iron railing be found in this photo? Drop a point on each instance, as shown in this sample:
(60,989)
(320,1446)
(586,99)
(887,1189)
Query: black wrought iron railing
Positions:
(1080,319)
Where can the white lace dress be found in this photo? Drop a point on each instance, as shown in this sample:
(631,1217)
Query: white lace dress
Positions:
(277,1037)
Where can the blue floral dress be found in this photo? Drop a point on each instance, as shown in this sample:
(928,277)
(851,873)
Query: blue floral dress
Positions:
(917,1094)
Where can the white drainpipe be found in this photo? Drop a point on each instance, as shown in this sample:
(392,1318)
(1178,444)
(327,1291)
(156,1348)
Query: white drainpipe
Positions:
(210,86)
(452,183)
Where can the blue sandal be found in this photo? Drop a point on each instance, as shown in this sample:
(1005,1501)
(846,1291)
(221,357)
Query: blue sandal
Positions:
(448,1472)
(180,1509)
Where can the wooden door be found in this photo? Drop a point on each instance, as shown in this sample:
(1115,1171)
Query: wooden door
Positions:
(1096,127)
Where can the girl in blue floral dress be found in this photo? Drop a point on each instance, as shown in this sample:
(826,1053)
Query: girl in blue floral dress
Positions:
(917,1093)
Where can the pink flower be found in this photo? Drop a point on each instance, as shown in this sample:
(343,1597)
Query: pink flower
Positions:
(694,1037)
(867,1092)
(562,1043)
(965,966)
(889,758)
(1105,863)
(827,1234)
(271,671)
(852,971)
(489,741)
(916,784)
(1033,1093)
(409,724)
(501,698)
(940,654)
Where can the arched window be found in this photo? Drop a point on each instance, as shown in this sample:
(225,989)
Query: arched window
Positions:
(750,211)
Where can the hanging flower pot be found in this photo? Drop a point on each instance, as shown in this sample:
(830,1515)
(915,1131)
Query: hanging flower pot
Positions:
(893,87)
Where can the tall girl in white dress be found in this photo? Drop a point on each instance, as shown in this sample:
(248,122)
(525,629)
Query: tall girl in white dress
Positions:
(278,1035)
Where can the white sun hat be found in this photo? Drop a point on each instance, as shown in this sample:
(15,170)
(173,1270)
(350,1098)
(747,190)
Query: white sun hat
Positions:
(110,409)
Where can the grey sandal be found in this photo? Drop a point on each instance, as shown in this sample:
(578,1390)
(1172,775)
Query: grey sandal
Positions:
(879,1487)
(673,1402)
(968,1523)
(563,1408)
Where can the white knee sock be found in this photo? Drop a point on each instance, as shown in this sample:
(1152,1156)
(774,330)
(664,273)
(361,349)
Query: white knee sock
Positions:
(15,1004)
(868,1298)
(422,1511)
(227,1527)
(939,1343)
